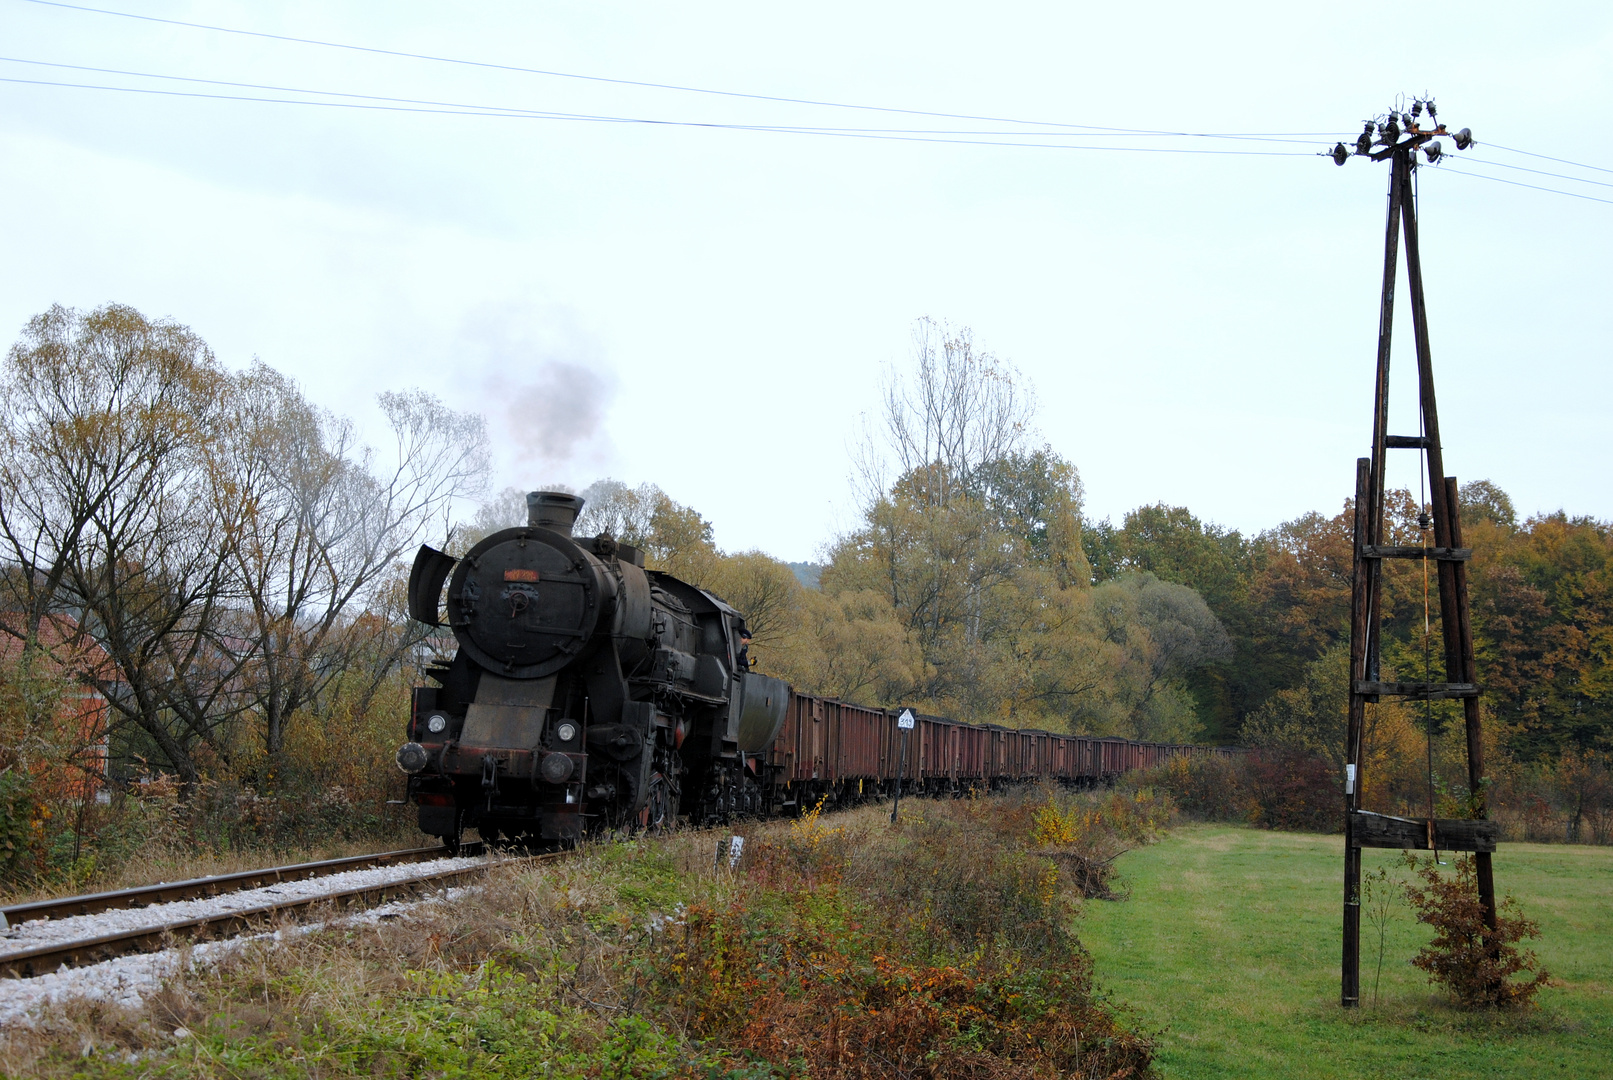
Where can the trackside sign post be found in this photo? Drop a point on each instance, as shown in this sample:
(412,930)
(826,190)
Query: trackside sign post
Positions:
(905,723)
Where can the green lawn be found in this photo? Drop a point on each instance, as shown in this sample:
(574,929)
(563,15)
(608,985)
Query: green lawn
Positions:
(1229,948)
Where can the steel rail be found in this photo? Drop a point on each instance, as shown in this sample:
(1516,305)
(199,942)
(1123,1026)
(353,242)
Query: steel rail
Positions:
(47,958)
(216,885)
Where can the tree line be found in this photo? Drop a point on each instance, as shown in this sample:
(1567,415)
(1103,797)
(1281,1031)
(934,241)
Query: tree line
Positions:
(1541,591)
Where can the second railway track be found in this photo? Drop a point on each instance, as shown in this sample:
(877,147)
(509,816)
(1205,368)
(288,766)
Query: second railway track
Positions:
(166,928)
(167,892)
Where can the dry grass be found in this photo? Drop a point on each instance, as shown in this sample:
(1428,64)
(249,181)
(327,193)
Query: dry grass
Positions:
(943,947)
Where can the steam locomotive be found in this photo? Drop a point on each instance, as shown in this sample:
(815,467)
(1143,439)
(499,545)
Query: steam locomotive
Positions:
(587,693)
(590,694)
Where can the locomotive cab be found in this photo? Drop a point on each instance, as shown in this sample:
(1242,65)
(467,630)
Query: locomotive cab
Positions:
(586,693)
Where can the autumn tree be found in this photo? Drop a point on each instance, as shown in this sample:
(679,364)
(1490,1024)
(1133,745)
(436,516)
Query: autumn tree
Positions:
(218,537)
(324,521)
(118,509)
(952,411)
(1155,633)
(972,542)
(1543,627)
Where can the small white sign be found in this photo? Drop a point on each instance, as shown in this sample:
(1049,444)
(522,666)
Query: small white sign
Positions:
(905,721)
(736,847)
(1349,779)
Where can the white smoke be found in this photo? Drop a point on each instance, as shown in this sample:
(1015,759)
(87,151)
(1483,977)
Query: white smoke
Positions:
(559,413)
(546,388)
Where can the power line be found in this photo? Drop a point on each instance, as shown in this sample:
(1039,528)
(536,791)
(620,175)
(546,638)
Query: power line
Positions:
(1537,172)
(847,133)
(1519,183)
(479,109)
(948,136)
(1544,157)
(666,86)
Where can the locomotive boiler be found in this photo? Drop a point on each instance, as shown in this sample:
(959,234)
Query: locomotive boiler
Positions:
(586,693)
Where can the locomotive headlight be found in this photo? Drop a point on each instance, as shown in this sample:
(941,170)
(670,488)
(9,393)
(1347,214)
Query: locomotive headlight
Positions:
(436,722)
(566,732)
(555,768)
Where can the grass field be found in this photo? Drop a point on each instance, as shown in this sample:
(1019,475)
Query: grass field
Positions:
(1229,948)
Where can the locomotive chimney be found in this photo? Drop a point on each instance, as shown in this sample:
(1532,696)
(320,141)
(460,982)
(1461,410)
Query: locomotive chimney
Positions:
(554,510)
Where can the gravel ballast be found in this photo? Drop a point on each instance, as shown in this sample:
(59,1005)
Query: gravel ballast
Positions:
(127,980)
(43,932)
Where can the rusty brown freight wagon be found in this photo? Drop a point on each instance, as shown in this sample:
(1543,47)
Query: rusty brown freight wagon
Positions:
(844,753)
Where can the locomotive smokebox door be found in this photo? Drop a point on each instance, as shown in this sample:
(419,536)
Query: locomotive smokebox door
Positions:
(524,602)
(508,713)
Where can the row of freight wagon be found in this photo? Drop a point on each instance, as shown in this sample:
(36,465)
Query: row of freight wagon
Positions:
(831,748)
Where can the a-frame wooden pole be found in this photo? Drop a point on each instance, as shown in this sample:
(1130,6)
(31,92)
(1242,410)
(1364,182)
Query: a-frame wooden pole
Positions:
(1363,829)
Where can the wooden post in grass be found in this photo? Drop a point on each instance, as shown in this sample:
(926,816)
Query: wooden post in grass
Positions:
(905,724)
(1360,608)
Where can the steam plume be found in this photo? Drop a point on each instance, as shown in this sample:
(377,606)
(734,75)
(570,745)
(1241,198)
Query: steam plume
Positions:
(560,411)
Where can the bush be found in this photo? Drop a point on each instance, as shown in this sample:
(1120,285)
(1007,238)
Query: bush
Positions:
(943,947)
(1276,788)
(1205,788)
(1475,965)
(22,828)
(1294,790)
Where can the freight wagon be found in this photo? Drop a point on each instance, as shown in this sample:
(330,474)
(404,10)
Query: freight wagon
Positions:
(847,753)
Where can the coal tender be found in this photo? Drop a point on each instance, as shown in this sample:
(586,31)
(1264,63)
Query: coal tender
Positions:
(586,694)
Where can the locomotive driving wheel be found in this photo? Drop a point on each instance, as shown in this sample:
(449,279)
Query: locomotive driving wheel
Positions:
(660,804)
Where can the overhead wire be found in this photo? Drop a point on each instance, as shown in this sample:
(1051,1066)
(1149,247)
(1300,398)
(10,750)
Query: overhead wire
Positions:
(1547,157)
(781,99)
(848,133)
(481,109)
(376,102)
(1520,183)
(1537,172)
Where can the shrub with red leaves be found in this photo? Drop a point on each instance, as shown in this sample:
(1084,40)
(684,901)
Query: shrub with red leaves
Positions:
(1474,964)
(941,949)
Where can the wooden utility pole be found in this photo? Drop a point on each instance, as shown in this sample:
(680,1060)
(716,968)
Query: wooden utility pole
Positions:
(1399,140)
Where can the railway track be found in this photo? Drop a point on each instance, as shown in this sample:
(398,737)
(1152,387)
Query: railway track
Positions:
(162,933)
(217,885)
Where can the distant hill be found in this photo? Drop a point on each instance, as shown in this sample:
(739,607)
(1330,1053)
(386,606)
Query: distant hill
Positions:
(807,572)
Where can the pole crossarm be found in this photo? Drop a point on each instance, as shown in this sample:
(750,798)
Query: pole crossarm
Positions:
(1415,691)
(1389,551)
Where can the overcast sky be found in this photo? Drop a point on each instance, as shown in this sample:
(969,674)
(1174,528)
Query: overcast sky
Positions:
(710,308)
